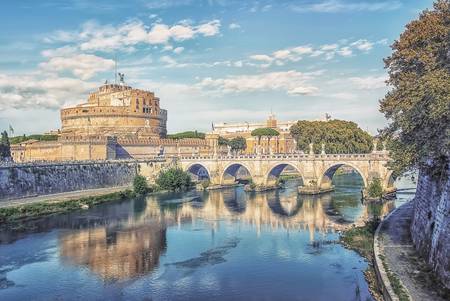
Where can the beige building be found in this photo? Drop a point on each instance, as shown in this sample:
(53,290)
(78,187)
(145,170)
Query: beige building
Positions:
(284,143)
(116,122)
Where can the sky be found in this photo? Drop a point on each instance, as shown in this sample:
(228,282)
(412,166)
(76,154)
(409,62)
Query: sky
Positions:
(207,60)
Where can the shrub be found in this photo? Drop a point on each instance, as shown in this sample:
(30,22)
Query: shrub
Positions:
(140,185)
(174,179)
(375,190)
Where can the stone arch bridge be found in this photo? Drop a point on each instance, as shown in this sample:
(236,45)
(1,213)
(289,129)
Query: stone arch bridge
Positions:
(316,171)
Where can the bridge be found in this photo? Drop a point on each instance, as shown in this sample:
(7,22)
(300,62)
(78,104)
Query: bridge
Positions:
(316,170)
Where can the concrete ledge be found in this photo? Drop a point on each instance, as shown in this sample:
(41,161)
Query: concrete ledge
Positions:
(383,280)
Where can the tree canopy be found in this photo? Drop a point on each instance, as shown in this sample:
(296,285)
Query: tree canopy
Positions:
(39,137)
(187,134)
(417,106)
(265,132)
(5,150)
(339,136)
(174,179)
(238,143)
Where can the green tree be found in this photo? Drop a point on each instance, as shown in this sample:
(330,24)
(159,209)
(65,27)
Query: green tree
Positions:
(238,144)
(187,134)
(5,149)
(339,136)
(140,185)
(264,132)
(375,190)
(174,179)
(417,105)
(223,141)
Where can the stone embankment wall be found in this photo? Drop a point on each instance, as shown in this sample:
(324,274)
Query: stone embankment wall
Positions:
(19,181)
(430,228)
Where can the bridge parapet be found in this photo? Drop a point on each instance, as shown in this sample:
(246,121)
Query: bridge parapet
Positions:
(369,156)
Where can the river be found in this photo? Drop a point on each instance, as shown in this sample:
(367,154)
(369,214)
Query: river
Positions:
(218,245)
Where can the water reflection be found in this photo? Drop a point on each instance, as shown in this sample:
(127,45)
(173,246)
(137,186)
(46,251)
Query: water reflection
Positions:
(149,238)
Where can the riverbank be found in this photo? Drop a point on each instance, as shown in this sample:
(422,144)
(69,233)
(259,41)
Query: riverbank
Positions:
(404,271)
(360,239)
(13,216)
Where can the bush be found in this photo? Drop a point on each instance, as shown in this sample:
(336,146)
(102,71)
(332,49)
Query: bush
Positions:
(140,185)
(375,190)
(174,179)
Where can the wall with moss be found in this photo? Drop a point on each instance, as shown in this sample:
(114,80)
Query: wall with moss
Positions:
(430,228)
(40,179)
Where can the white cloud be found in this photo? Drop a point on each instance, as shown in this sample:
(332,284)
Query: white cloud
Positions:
(344,48)
(292,82)
(95,37)
(363,45)
(369,82)
(261,57)
(178,50)
(335,6)
(209,29)
(84,66)
(33,91)
(234,26)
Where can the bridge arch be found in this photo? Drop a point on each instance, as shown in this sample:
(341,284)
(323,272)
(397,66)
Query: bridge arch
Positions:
(327,176)
(231,172)
(275,171)
(390,179)
(199,171)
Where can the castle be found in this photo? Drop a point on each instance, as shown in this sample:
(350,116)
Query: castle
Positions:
(116,122)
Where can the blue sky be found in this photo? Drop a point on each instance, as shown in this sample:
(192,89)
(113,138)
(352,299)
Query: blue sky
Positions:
(208,61)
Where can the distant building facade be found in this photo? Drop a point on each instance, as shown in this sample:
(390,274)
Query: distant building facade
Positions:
(284,143)
(117,122)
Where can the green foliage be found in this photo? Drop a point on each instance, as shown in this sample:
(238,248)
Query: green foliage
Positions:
(417,105)
(375,189)
(264,132)
(187,134)
(174,179)
(238,144)
(16,214)
(339,136)
(5,149)
(140,185)
(223,141)
(20,139)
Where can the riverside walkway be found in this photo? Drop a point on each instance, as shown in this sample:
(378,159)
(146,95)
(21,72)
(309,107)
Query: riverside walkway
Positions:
(402,258)
(64,196)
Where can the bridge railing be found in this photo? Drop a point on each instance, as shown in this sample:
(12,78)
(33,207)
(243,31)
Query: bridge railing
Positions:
(369,156)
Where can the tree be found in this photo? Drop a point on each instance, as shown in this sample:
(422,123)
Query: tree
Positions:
(417,105)
(265,132)
(339,136)
(140,185)
(174,179)
(187,134)
(223,141)
(375,190)
(5,149)
(238,144)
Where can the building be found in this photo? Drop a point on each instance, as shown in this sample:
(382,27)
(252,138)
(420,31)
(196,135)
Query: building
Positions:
(284,143)
(116,122)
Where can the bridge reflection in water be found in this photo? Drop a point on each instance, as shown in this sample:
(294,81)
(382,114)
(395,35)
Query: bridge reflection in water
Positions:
(123,241)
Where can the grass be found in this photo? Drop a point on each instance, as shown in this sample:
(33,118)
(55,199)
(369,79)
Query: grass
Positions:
(398,288)
(11,216)
(360,239)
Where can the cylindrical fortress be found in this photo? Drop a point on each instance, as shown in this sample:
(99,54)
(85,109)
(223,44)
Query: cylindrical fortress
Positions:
(116,110)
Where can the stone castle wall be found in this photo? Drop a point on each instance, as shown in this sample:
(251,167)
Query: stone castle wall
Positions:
(40,179)
(430,228)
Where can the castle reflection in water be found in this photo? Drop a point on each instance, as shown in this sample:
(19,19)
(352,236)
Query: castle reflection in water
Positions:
(126,240)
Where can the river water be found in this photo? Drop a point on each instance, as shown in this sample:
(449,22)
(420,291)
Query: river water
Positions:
(217,245)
